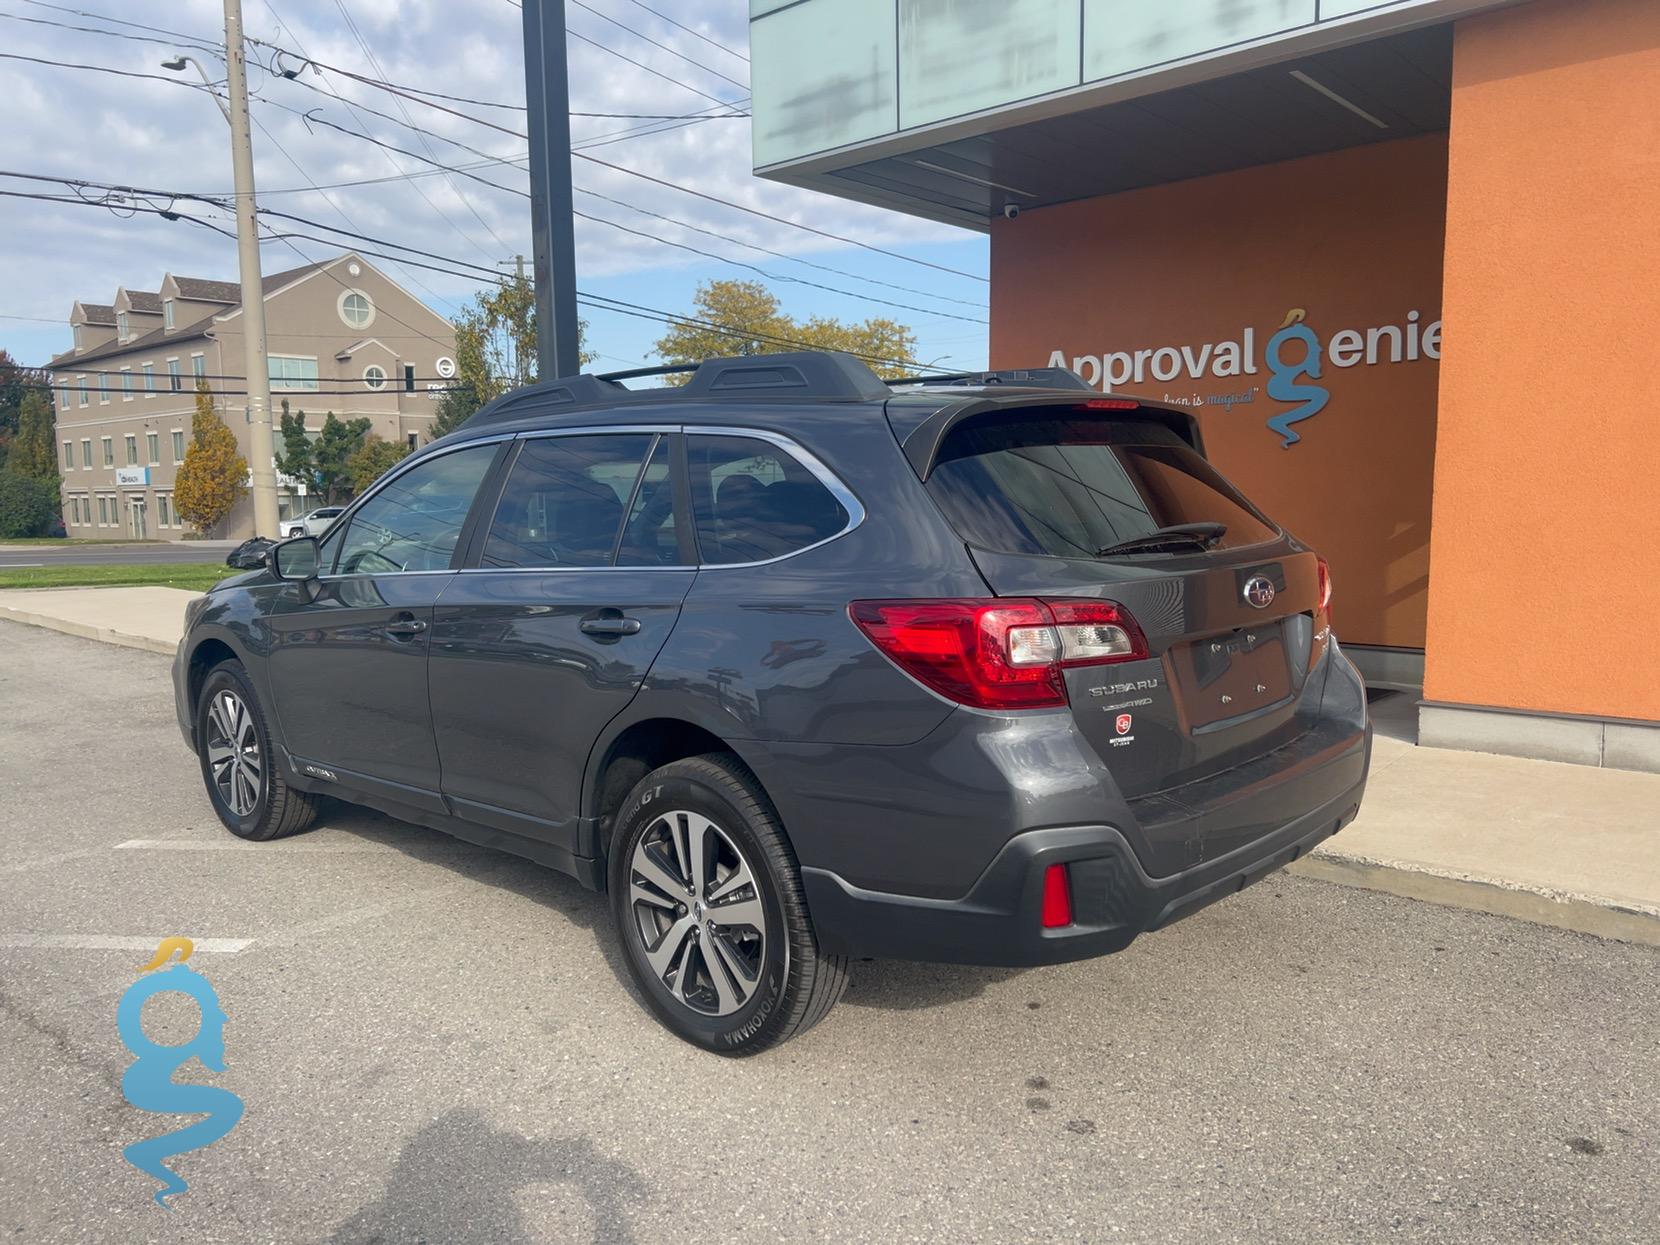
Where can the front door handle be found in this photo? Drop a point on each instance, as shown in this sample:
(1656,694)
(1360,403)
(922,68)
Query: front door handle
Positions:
(405,628)
(610,624)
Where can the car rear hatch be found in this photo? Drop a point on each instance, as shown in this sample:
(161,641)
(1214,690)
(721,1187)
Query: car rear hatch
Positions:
(1075,501)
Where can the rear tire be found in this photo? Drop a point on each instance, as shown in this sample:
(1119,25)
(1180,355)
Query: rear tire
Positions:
(707,899)
(239,764)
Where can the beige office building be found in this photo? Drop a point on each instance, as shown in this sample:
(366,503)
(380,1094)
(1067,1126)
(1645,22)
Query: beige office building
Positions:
(341,337)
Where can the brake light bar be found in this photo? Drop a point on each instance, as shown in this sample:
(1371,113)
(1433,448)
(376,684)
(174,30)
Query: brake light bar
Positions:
(1112,404)
(1000,652)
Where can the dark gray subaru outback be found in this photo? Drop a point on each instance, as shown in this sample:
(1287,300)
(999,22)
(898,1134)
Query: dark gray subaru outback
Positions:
(802,667)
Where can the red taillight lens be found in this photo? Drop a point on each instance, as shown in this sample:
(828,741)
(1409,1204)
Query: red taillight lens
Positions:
(1112,404)
(1325,584)
(1003,653)
(1057,897)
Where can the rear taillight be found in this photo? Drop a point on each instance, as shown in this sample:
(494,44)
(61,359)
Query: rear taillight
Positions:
(1001,653)
(1324,573)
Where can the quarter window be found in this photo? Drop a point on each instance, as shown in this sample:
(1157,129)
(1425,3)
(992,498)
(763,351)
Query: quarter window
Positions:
(414,521)
(755,501)
(564,502)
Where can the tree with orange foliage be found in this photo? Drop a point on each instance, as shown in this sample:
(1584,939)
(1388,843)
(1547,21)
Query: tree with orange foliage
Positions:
(214,475)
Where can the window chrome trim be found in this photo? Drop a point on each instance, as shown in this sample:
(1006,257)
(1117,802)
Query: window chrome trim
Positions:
(844,495)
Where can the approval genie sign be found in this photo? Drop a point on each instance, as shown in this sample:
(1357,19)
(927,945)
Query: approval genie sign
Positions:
(1293,356)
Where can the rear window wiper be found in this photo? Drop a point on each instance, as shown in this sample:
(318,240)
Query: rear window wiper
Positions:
(1205,535)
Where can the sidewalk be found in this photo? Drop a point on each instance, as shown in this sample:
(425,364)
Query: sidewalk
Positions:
(1572,846)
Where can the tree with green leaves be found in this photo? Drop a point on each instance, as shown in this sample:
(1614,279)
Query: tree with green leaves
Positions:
(33,449)
(745,318)
(214,475)
(293,455)
(373,459)
(495,351)
(16,382)
(27,505)
(331,456)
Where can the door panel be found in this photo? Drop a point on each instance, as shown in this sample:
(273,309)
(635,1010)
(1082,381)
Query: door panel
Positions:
(349,675)
(520,688)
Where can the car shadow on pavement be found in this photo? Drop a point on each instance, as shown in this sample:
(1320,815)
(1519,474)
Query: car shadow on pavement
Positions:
(462,1179)
(887,985)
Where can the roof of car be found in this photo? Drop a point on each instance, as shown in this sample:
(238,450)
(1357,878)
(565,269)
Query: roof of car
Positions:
(809,381)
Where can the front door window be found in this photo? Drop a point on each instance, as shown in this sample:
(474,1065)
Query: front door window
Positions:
(414,521)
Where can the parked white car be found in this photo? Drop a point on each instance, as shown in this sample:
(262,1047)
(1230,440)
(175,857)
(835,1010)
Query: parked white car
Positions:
(313,524)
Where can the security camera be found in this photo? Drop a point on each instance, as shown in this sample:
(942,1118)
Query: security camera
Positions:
(1011,210)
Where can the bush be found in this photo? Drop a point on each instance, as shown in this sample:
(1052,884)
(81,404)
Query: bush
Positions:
(27,506)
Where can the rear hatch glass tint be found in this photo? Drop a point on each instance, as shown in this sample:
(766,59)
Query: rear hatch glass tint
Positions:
(1071,485)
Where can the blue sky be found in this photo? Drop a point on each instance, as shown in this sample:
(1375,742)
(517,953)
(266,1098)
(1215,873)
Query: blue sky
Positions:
(162,135)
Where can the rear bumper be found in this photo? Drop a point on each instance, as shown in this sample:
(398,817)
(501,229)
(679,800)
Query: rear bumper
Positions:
(1113,898)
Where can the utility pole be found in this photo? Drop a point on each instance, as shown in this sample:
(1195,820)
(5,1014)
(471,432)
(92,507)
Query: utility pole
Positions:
(260,445)
(553,244)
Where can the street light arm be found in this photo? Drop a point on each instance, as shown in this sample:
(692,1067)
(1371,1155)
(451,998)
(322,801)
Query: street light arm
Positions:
(177,65)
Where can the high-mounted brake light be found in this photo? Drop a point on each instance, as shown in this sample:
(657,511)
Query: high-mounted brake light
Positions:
(999,653)
(1324,580)
(1112,404)
(1057,897)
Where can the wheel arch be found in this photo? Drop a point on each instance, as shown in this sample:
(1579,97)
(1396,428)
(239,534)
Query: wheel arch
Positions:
(630,751)
(208,651)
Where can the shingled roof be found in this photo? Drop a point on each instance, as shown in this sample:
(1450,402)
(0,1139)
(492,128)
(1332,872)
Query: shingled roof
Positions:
(226,294)
(145,300)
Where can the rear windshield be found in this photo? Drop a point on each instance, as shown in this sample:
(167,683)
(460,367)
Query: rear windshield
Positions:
(1071,485)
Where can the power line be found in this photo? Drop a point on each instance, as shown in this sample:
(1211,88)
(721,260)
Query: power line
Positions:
(712,43)
(684,86)
(742,86)
(823,233)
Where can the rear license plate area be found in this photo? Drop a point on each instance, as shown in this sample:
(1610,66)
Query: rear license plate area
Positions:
(1232,675)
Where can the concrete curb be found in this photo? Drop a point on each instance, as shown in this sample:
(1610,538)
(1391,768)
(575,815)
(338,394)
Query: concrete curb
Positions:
(106,635)
(1585,914)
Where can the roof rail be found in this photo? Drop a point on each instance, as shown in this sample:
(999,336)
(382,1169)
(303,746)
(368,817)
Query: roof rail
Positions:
(1034,377)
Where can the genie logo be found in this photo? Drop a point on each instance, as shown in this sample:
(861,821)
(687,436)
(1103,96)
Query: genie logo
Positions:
(1282,381)
(149,1085)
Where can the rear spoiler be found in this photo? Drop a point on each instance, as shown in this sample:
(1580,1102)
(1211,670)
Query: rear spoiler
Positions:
(921,430)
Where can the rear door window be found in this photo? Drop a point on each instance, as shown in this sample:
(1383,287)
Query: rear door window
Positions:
(755,501)
(1070,486)
(565,500)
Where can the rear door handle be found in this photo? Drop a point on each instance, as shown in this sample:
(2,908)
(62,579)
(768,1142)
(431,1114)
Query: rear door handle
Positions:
(405,628)
(611,625)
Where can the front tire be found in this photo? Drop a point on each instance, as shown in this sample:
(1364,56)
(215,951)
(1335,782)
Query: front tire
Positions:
(239,765)
(707,899)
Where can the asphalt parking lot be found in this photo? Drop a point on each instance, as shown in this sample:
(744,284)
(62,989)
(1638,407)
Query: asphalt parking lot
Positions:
(436,1043)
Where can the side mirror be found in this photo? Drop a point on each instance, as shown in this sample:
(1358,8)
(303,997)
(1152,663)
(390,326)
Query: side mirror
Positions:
(296,559)
(250,555)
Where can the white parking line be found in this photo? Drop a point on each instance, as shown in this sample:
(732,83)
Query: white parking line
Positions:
(103,942)
(237,845)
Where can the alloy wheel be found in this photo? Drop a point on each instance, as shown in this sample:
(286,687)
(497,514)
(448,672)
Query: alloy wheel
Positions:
(698,912)
(233,754)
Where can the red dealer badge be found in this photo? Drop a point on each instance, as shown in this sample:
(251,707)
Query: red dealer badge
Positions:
(1123,724)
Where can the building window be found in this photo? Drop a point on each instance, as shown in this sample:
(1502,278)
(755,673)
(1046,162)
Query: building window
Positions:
(173,381)
(167,312)
(103,511)
(413,439)
(86,454)
(292,373)
(121,329)
(63,397)
(80,338)
(68,454)
(198,367)
(127,384)
(409,378)
(164,504)
(178,445)
(103,388)
(132,449)
(109,451)
(356,309)
(374,376)
(86,391)
(149,378)
(152,446)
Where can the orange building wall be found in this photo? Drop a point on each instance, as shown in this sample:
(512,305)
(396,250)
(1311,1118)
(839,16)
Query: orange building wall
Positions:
(1546,547)
(1354,239)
